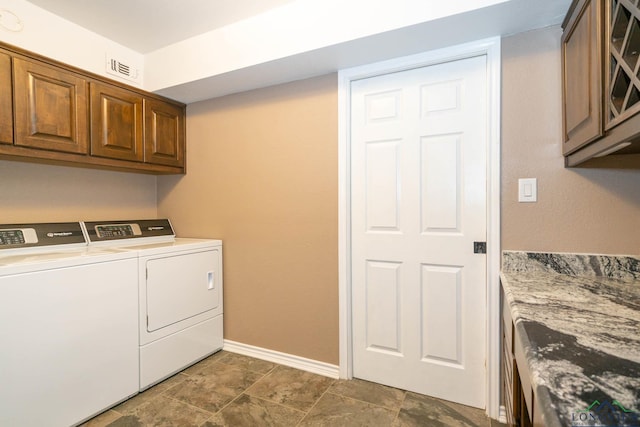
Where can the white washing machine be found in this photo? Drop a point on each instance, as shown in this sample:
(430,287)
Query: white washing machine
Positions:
(180,293)
(68,325)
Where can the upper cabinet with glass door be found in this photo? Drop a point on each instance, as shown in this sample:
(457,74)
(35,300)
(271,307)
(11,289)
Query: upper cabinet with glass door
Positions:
(601,83)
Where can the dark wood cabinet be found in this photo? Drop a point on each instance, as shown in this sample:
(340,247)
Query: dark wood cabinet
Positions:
(582,76)
(509,373)
(517,392)
(601,83)
(622,53)
(164,133)
(6,100)
(54,113)
(50,108)
(116,123)
(507,387)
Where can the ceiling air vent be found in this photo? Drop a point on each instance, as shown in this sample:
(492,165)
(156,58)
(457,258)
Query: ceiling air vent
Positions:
(123,69)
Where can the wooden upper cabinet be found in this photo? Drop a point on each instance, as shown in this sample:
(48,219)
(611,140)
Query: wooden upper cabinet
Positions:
(116,123)
(51,108)
(164,133)
(60,114)
(582,75)
(622,52)
(6,101)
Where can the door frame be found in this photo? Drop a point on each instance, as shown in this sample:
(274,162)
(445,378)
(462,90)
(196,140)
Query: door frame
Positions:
(491,48)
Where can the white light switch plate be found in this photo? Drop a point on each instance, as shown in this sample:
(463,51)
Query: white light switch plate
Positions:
(527,190)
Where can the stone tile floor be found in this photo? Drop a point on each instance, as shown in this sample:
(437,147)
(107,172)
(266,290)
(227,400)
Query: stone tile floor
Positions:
(228,389)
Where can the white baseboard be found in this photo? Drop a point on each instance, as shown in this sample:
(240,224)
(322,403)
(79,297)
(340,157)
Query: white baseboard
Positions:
(502,417)
(302,363)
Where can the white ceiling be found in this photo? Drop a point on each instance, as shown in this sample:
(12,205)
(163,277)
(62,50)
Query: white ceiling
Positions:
(147,25)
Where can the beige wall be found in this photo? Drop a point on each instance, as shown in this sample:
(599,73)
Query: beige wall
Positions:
(262,176)
(32,192)
(578,210)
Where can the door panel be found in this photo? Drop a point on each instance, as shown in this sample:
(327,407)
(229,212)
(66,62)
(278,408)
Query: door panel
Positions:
(116,123)
(383,291)
(51,108)
(441,288)
(440,189)
(164,133)
(582,107)
(418,202)
(181,286)
(382,185)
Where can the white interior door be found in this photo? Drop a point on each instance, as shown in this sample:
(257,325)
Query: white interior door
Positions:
(418,204)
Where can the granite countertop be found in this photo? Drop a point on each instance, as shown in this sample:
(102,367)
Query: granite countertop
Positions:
(578,317)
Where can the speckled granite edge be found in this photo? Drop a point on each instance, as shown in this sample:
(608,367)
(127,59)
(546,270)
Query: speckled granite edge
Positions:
(549,409)
(575,315)
(580,336)
(610,266)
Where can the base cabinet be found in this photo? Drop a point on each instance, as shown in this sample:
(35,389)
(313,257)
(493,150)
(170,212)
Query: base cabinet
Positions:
(518,395)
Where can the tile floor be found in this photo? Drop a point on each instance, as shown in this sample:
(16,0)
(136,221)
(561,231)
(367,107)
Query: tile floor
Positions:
(229,389)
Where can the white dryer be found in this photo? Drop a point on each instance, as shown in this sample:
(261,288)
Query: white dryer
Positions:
(180,293)
(68,326)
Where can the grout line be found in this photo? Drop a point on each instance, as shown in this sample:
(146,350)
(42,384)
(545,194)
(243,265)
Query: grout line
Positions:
(262,376)
(242,392)
(260,379)
(363,401)
(316,403)
(190,405)
(223,407)
(404,395)
(404,398)
(261,397)
(275,403)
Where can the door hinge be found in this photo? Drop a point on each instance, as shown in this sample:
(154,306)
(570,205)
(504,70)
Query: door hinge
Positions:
(479,247)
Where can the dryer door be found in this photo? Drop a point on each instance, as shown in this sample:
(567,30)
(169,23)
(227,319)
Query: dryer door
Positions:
(182,286)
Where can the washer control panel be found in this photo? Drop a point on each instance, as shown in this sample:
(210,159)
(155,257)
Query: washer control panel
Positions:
(99,231)
(14,236)
(112,231)
(17,236)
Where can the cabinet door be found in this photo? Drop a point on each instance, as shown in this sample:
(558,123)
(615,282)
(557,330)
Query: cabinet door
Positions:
(51,108)
(582,76)
(116,123)
(6,103)
(623,49)
(508,366)
(164,133)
